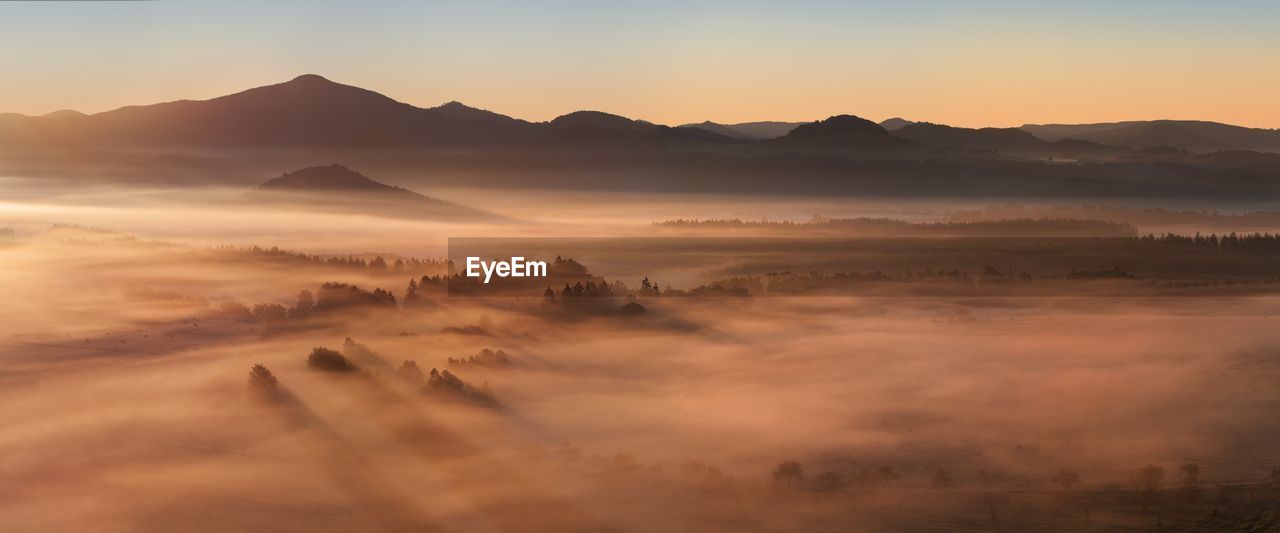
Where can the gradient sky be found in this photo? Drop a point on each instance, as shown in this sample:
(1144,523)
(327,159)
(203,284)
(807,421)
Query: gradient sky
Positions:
(962,63)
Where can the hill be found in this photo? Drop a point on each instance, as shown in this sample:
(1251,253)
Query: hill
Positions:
(339,189)
(239,137)
(307,111)
(980,138)
(1195,135)
(846,132)
(748,130)
(1008,141)
(894,123)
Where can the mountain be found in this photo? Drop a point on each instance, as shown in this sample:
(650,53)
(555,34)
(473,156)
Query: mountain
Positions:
(969,138)
(1006,142)
(332,178)
(307,111)
(845,132)
(748,130)
(239,137)
(598,127)
(894,123)
(720,129)
(460,112)
(312,112)
(337,188)
(63,113)
(1195,135)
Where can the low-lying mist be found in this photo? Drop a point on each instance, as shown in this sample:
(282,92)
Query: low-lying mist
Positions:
(129,398)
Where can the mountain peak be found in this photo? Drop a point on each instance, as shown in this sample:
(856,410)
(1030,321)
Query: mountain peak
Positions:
(340,189)
(839,125)
(329,178)
(310,79)
(63,113)
(895,123)
(597,119)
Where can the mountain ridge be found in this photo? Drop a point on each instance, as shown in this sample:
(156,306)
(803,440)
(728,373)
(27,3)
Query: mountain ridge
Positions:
(313,111)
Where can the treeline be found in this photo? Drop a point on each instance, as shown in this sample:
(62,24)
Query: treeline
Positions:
(574,277)
(1231,241)
(375,265)
(1132,215)
(331,297)
(888,227)
(439,384)
(788,282)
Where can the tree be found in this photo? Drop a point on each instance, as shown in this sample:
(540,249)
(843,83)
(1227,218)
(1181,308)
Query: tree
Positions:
(549,295)
(829,481)
(887,473)
(411,298)
(1066,479)
(1146,481)
(236,311)
(788,473)
(692,467)
(326,360)
(378,264)
(1190,474)
(262,381)
(306,303)
(1190,481)
(269,311)
(410,372)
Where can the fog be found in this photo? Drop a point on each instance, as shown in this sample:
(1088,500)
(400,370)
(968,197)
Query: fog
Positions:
(124,404)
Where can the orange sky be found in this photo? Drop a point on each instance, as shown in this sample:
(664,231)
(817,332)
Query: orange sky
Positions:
(988,63)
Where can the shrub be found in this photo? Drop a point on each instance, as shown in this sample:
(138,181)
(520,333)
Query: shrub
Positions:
(485,358)
(262,381)
(326,360)
(446,385)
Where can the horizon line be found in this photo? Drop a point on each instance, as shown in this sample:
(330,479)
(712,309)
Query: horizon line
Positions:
(690,123)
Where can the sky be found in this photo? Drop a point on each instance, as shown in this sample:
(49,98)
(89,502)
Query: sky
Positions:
(978,63)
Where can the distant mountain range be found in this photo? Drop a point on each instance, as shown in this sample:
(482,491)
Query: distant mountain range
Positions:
(748,130)
(313,111)
(1193,135)
(894,123)
(309,118)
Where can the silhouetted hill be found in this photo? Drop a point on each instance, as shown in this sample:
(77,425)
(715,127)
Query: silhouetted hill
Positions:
(981,138)
(238,137)
(308,111)
(1193,135)
(894,123)
(598,120)
(596,127)
(748,130)
(63,113)
(845,132)
(331,178)
(458,111)
(338,188)
(1004,141)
